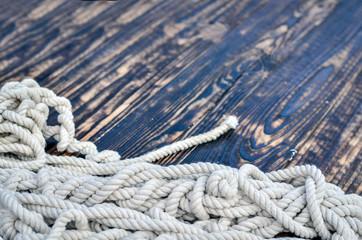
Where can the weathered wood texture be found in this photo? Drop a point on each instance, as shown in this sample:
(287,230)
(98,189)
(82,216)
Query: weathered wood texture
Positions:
(141,74)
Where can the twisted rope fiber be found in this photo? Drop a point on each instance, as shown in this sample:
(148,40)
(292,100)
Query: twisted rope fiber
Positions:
(100,196)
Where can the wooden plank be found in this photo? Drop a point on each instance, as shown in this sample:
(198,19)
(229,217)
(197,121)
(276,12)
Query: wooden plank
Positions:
(43,41)
(167,122)
(283,110)
(158,62)
(140,74)
(118,58)
(164,114)
(335,146)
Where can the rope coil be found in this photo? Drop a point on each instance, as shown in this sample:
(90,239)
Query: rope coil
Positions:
(100,196)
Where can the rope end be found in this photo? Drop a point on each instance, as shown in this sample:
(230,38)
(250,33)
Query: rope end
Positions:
(231,121)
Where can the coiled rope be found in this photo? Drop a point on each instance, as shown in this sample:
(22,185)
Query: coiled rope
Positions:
(100,196)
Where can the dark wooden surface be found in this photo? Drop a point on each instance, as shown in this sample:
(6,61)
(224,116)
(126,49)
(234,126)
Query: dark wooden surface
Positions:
(141,74)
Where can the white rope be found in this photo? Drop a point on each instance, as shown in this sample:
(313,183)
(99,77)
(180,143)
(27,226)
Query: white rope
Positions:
(100,196)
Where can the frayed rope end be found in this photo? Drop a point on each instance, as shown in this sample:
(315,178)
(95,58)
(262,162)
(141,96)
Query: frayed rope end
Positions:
(232,121)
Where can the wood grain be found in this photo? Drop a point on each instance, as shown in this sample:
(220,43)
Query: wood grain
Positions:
(141,74)
(335,144)
(312,85)
(192,93)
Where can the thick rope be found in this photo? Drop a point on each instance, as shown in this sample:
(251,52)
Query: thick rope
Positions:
(100,196)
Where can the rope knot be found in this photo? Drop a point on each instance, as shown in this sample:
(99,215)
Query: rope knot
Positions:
(218,226)
(20,180)
(24,110)
(22,121)
(222,183)
(104,156)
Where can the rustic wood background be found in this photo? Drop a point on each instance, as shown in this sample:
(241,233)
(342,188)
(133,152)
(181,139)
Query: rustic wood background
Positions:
(141,74)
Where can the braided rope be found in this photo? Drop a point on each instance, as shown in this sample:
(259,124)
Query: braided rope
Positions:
(100,196)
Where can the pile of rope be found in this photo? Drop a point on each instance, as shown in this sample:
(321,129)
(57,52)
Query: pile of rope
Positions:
(96,195)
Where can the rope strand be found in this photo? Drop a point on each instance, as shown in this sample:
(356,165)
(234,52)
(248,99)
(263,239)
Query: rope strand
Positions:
(101,196)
